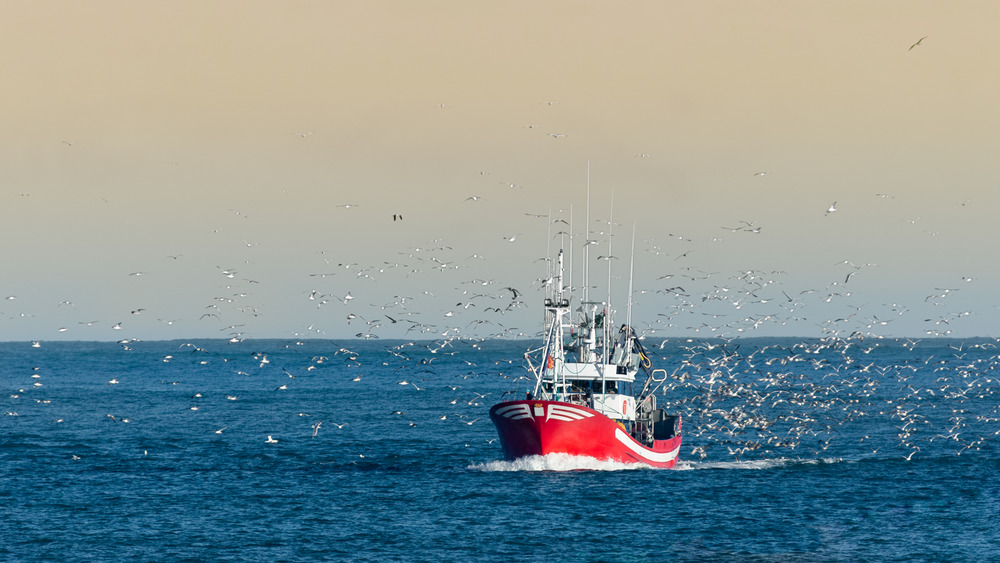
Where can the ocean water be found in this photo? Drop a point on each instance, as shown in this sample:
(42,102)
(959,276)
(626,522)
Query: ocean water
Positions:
(795,450)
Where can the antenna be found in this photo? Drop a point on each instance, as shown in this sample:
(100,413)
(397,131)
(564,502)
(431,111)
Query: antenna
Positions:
(631,271)
(570,248)
(548,244)
(586,245)
(611,223)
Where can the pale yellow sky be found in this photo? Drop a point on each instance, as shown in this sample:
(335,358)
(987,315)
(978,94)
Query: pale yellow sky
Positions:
(227,135)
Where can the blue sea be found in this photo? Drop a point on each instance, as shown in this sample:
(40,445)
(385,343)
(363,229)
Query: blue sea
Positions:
(272,450)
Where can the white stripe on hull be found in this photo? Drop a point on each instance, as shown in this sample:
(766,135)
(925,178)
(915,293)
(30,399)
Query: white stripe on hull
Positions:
(644,453)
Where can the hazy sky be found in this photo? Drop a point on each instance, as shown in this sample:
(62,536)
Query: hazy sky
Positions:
(192,163)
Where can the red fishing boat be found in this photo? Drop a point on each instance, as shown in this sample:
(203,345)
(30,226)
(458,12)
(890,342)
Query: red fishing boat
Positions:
(594,391)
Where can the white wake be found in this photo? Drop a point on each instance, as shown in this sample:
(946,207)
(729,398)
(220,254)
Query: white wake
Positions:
(557,462)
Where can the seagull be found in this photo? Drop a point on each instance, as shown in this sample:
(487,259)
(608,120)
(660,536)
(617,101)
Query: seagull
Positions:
(219,431)
(270,440)
(917,43)
(833,207)
(315,428)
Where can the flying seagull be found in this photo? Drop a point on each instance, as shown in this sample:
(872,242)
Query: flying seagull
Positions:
(917,43)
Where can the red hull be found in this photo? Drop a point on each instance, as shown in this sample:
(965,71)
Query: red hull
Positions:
(533,427)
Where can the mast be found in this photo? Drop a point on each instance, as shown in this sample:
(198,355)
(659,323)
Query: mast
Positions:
(631,272)
(548,244)
(570,284)
(611,223)
(553,351)
(586,245)
(606,353)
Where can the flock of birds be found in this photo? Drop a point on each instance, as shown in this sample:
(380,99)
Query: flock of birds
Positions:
(839,398)
(741,398)
(738,399)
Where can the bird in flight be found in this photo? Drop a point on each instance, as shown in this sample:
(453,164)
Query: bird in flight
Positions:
(917,43)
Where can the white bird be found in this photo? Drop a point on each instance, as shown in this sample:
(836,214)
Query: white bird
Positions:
(270,440)
(833,207)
